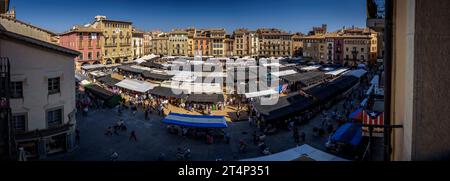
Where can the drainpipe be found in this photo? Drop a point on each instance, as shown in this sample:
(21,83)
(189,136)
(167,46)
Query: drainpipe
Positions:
(388,63)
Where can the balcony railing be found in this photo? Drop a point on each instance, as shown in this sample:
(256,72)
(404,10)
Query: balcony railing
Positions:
(110,44)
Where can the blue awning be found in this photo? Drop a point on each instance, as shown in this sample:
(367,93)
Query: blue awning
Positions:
(196,121)
(356,115)
(349,133)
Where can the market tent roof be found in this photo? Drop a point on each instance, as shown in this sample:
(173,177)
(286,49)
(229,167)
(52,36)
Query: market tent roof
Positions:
(98,73)
(128,68)
(196,121)
(337,72)
(151,65)
(80,77)
(260,93)
(297,153)
(309,68)
(306,79)
(92,67)
(155,76)
(99,91)
(331,89)
(108,80)
(283,73)
(168,92)
(349,133)
(136,85)
(285,106)
(357,73)
(205,98)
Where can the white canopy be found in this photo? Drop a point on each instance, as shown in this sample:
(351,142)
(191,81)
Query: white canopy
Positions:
(260,93)
(284,73)
(94,66)
(297,152)
(85,82)
(309,68)
(136,85)
(98,73)
(337,72)
(202,87)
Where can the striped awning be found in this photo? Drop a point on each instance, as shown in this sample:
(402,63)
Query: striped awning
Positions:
(196,121)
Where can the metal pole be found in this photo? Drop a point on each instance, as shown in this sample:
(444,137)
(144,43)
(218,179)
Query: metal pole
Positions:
(389,7)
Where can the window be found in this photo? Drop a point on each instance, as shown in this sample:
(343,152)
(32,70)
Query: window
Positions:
(53,85)
(80,57)
(98,55)
(362,50)
(54,117)
(20,122)
(16,90)
(90,55)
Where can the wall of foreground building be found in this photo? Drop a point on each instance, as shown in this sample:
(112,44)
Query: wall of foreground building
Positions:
(420,80)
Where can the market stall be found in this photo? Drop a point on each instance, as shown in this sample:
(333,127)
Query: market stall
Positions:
(195,121)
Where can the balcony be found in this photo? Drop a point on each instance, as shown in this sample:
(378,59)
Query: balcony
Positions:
(110,44)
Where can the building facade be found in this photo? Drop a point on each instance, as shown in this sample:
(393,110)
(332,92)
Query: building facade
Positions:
(274,43)
(178,43)
(137,44)
(297,45)
(160,43)
(217,39)
(42,87)
(86,40)
(202,43)
(147,43)
(117,44)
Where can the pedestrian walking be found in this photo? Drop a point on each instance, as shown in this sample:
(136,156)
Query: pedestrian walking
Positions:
(133,136)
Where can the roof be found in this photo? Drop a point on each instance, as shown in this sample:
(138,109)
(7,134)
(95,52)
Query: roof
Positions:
(300,153)
(328,90)
(136,85)
(128,68)
(205,98)
(196,121)
(155,76)
(108,80)
(93,67)
(82,29)
(30,25)
(285,106)
(40,43)
(99,91)
(168,92)
(307,79)
(151,64)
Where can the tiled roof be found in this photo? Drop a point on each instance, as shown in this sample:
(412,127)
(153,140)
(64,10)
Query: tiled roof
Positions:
(11,35)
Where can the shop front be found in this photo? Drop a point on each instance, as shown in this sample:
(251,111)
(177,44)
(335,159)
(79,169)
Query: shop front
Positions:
(42,143)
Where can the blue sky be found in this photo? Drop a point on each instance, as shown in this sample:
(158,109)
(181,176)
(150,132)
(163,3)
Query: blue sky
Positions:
(289,15)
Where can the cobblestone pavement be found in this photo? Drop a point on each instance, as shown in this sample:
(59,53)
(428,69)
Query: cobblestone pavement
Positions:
(153,139)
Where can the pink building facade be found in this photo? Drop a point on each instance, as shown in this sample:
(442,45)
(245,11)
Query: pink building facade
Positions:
(85,40)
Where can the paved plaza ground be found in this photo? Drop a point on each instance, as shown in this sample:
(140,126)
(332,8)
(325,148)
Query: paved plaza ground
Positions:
(154,138)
